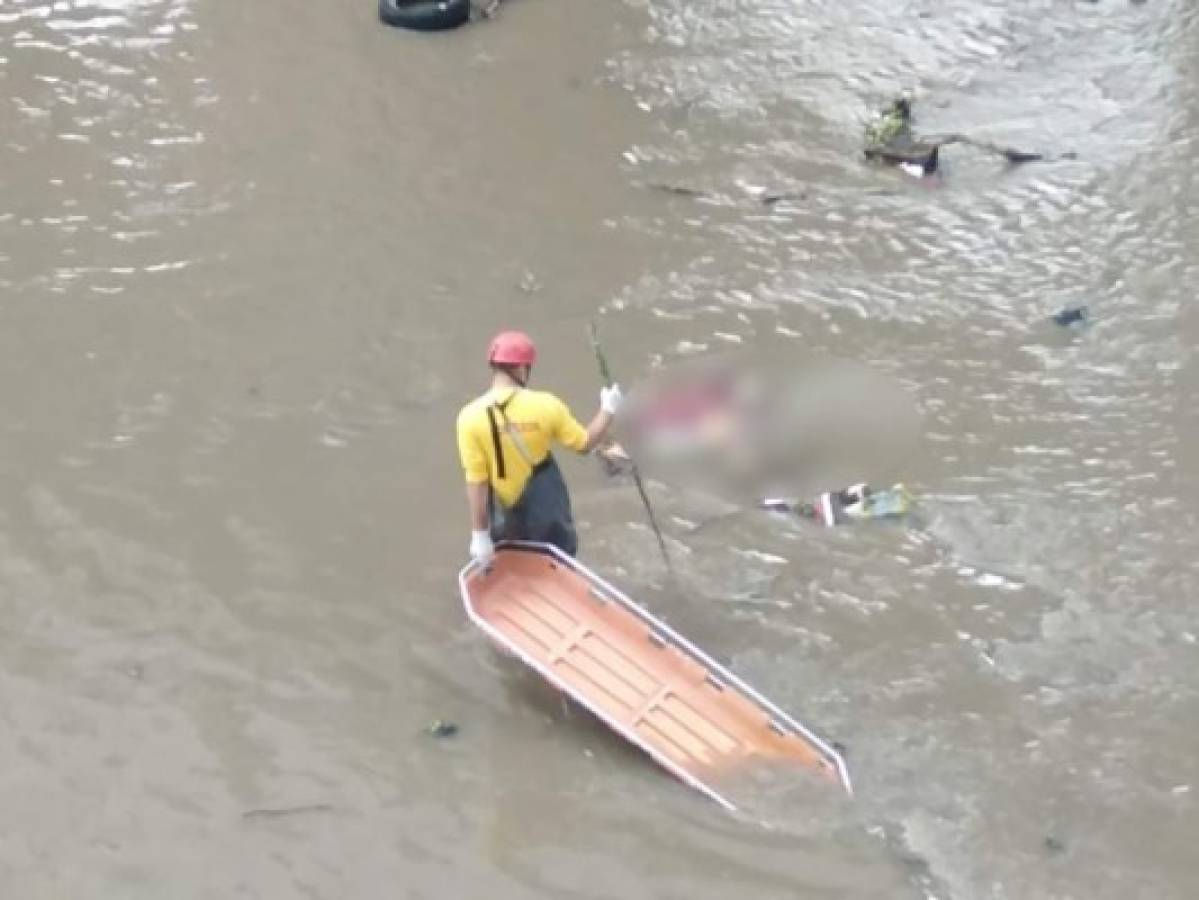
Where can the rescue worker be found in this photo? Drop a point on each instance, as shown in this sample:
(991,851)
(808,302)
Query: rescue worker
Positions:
(514,488)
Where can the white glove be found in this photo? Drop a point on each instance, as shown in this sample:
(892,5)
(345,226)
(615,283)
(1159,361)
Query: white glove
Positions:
(610,399)
(482,550)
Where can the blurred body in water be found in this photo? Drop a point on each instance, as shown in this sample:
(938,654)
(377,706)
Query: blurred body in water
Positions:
(754,427)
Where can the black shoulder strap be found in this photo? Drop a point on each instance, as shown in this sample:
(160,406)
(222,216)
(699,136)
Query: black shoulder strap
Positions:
(495,442)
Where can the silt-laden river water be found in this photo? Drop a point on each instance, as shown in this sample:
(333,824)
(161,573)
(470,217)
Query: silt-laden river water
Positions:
(249,257)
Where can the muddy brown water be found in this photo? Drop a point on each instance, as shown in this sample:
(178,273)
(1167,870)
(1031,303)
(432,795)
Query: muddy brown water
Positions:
(248,256)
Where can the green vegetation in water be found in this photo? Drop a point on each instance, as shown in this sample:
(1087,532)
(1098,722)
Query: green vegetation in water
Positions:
(889,125)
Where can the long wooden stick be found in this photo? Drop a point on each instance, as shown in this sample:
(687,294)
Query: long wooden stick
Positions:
(606,375)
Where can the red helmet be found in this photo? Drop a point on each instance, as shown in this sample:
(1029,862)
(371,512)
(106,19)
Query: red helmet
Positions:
(512,348)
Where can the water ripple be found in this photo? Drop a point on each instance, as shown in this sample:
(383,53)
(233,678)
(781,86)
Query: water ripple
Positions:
(96,142)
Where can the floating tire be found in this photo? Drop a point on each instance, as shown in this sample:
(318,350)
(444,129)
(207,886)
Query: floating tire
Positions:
(425,15)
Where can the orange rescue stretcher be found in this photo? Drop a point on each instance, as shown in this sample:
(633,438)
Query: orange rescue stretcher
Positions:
(646,681)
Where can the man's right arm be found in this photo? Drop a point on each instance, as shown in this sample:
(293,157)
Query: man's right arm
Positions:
(478,486)
(476,499)
(474,467)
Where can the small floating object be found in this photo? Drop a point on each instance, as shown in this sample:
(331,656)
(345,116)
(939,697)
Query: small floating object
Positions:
(648,683)
(770,199)
(889,503)
(857,502)
(439,728)
(679,190)
(286,811)
(1069,316)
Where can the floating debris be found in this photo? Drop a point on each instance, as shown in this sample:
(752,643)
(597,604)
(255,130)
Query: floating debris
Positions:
(1054,845)
(770,199)
(440,728)
(1069,316)
(529,283)
(286,811)
(679,190)
(890,139)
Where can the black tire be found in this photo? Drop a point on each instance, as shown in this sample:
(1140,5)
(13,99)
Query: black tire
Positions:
(425,15)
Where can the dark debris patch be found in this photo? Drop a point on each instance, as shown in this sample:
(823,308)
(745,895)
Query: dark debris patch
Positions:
(440,728)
